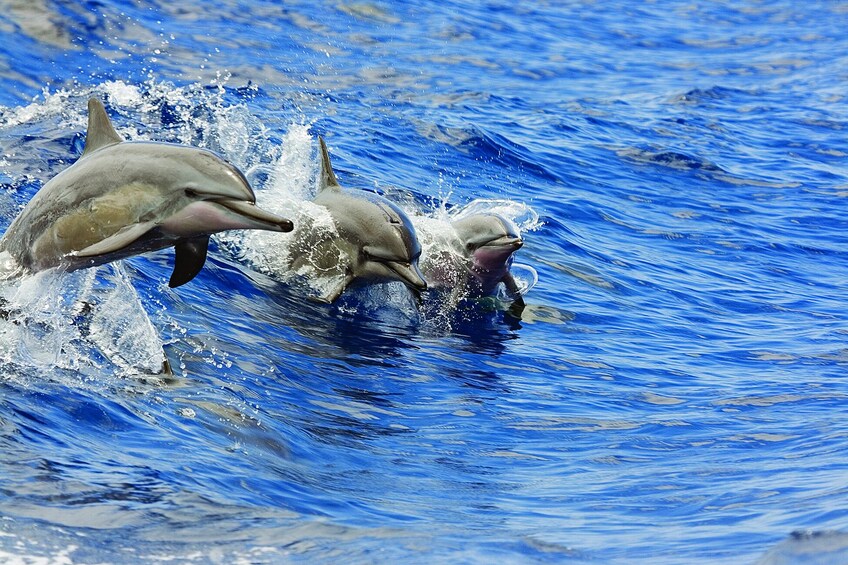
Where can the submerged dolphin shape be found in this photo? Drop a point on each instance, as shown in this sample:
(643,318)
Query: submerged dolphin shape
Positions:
(124,198)
(481,258)
(805,547)
(376,241)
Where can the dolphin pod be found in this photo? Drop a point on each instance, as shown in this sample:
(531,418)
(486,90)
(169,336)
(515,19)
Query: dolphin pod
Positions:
(122,198)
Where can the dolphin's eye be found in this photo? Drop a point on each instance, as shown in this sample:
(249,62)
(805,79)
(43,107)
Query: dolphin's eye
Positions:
(191,193)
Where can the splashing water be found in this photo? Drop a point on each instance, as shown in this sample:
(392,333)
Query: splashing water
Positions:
(89,321)
(519,213)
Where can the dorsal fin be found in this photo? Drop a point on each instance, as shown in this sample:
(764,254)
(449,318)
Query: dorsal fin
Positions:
(100,131)
(328,177)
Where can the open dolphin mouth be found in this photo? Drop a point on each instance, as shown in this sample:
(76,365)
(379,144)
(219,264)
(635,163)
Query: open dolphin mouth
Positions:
(409,274)
(260,219)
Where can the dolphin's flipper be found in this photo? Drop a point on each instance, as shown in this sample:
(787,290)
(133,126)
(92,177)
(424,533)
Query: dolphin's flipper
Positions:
(514,291)
(335,291)
(328,177)
(189,257)
(517,307)
(120,239)
(100,131)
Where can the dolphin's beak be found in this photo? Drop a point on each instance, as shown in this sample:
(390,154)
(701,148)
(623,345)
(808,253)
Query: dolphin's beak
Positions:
(496,253)
(256,216)
(409,274)
(510,241)
(505,242)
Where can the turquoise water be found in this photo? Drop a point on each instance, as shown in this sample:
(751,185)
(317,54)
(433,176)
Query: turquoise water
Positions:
(672,393)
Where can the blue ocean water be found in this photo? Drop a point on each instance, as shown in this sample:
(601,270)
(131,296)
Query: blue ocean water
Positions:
(672,393)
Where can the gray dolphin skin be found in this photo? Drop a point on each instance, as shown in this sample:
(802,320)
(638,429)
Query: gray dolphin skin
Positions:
(124,198)
(485,247)
(375,236)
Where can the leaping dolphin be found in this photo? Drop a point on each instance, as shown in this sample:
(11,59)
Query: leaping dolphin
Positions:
(376,241)
(481,257)
(124,198)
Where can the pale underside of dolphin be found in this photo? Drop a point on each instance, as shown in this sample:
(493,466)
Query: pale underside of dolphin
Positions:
(374,240)
(122,198)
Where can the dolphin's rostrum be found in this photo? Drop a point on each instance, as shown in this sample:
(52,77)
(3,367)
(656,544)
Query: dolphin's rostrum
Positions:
(125,198)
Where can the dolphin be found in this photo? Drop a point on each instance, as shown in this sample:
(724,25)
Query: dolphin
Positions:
(481,255)
(375,241)
(123,198)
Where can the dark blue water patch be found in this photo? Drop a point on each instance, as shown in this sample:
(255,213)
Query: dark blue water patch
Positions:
(497,148)
(489,147)
(169,115)
(32,422)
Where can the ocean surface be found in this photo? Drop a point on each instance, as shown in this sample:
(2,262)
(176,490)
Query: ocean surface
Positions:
(674,391)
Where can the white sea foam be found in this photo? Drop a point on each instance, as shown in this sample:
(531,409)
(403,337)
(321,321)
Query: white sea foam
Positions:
(88,320)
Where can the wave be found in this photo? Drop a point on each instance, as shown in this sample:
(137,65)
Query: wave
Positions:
(489,147)
(698,96)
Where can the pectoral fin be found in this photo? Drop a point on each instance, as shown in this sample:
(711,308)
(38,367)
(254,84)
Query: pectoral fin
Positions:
(116,241)
(332,294)
(189,257)
(514,291)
